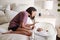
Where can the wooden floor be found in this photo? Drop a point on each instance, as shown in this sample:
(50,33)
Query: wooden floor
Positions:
(57,38)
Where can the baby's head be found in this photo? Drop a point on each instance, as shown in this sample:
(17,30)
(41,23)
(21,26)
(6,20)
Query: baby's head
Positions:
(39,29)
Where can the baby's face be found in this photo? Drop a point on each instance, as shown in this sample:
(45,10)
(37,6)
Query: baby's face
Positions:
(39,29)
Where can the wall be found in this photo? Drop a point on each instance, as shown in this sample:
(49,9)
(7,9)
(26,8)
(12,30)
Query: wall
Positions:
(58,18)
(31,2)
(22,1)
(3,2)
(40,5)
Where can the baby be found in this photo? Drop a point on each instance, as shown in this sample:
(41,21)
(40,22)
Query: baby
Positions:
(40,29)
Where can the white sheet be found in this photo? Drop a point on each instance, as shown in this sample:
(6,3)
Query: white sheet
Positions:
(13,37)
(2,30)
(23,37)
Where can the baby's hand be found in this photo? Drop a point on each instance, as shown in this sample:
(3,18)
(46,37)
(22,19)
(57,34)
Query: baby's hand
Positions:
(39,29)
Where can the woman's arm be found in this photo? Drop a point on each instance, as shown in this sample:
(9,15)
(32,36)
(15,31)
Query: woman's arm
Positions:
(26,27)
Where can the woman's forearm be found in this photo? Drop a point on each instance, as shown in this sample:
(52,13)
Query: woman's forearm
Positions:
(28,28)
(28,25)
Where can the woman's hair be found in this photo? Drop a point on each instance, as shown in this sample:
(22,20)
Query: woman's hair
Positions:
(30,9)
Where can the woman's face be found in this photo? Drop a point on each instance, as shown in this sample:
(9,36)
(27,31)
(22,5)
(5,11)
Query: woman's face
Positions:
(33,14)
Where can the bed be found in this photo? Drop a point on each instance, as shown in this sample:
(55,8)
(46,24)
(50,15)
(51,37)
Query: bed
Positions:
(52,33)
(13,37)
(4,28)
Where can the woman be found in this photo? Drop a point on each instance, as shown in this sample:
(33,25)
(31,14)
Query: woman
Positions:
(18,23)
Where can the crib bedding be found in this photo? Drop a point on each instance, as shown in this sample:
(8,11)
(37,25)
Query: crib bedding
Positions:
(50,35)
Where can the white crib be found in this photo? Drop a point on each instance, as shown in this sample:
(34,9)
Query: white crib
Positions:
(46,26)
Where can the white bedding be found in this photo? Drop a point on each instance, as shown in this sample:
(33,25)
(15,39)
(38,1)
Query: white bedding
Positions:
(2,30)
(13,37)
(23,37)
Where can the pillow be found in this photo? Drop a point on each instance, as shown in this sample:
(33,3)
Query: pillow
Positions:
(5,26)
(7,7)
(1,7)
(3,18)
(1,13)
(10,14)
(20,7)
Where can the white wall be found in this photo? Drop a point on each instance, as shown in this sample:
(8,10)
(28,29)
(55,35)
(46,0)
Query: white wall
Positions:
(29,2)
(22,1)
(58,18)
(40,5)
(3,2)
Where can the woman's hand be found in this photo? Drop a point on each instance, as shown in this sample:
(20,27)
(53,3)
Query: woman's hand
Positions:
(28,25)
